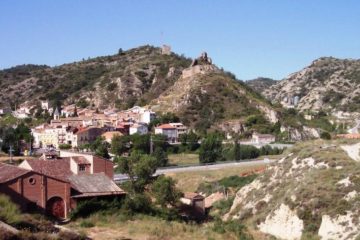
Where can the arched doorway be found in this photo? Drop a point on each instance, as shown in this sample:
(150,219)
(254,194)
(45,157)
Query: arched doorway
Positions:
(55,206)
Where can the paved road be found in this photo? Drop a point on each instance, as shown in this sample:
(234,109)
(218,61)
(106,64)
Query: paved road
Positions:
(123,177)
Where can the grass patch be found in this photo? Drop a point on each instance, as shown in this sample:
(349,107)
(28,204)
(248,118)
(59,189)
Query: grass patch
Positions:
(183,159)
(189,181)
(9,212)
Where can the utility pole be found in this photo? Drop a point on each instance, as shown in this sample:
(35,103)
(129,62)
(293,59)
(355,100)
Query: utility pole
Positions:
(151,145)
(11,150)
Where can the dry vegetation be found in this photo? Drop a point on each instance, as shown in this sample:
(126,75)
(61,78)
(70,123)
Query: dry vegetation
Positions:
(189,181)
(183,159)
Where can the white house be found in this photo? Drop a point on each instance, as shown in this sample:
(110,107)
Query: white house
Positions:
(169,131)
(139,128)
(45,105)
(146,116)
(262,138)
(181,128)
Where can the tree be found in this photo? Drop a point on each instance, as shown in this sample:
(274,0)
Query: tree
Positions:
(237,150)
(100,147)
(190,140)
(141,142)
(165,192)
(160,141)
(139,168)
(161,156)
(211,149)
(120,144)
(120,51)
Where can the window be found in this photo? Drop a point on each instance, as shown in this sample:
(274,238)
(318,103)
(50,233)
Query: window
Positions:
(82,168)
(32,181)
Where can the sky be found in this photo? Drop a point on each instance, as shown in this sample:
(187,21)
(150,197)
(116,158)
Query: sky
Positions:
(250,38)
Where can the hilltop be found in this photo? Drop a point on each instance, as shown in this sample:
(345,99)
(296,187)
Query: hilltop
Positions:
(312,192)
(121,80)
(196,90)
(328,84)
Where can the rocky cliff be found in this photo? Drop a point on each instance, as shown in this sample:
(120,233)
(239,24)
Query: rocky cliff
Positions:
(261,84)
(312,192)
(328,84)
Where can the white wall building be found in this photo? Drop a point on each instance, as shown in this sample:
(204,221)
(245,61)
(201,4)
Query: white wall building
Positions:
(139,128)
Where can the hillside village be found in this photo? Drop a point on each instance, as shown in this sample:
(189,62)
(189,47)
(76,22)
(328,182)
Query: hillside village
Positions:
(75,163)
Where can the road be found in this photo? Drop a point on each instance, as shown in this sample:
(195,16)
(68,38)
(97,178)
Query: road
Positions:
(217,166)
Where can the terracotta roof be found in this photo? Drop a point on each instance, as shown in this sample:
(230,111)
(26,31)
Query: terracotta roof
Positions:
(9,172)
(166,126)
(110,135)
(80,160)
(193,195)
(349,135)
(58,168)
(97,184)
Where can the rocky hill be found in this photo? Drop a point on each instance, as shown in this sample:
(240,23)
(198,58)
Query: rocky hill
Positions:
(199,92)
(204,95)
(134,76)
(328,83)
(312,192)
(261,84)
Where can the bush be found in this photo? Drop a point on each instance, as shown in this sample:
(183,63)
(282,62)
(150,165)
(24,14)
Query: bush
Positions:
(325,135)
(88,207)
(234,227)
(64,146)
(86,224)
(9,212)
(211,149)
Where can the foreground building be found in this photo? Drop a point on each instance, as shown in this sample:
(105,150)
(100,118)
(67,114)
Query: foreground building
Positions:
(56,185)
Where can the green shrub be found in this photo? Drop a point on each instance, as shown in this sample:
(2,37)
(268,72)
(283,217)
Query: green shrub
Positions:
(9,212)
(325,135)
(234,227)
(64,146)
(86,224)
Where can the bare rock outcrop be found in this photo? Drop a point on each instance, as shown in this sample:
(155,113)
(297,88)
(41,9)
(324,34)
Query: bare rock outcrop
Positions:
(311,192)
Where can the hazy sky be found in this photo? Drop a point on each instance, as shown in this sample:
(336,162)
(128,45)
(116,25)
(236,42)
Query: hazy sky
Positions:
(251,38)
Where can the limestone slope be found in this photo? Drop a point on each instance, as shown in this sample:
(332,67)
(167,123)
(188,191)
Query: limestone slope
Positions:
(312,192)
(327,83)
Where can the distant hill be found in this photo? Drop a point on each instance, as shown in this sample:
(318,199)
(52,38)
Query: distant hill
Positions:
(196,90)
(122,80)
(328,84)
(261,84)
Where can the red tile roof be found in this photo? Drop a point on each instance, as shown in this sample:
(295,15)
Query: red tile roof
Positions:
(9,172)
(58,168)
(193,195)
(166,126)
(80,160)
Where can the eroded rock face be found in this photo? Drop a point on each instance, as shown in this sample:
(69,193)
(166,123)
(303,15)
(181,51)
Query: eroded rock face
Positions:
(353,151)
(341,227)
(310,188)
(283,223)
(326,84)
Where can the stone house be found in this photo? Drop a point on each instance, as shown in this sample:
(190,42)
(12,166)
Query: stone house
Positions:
(262,138)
